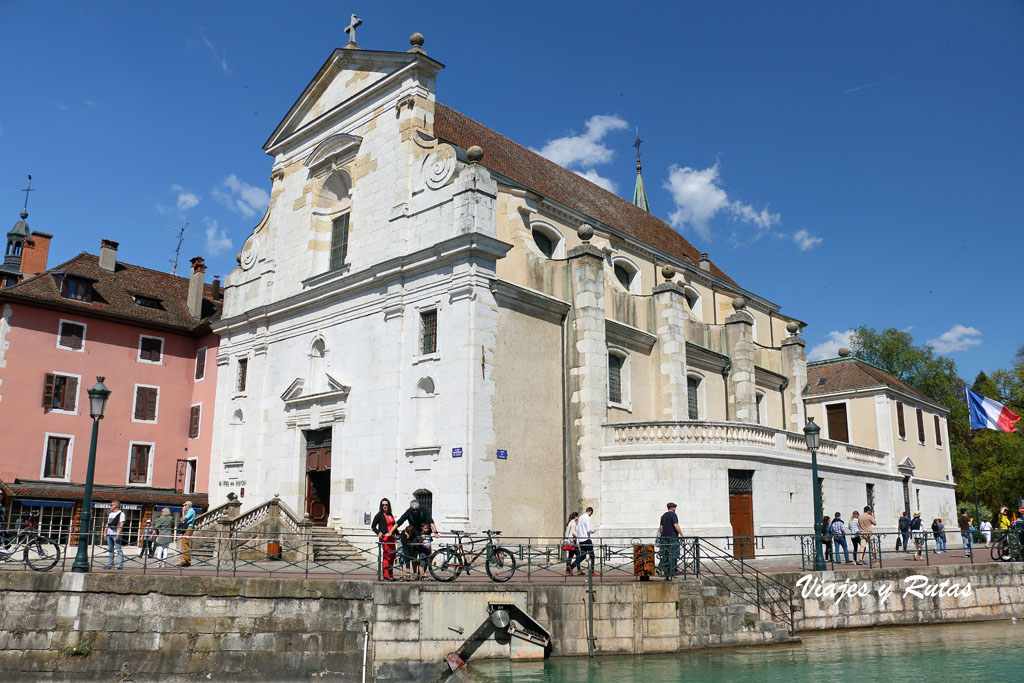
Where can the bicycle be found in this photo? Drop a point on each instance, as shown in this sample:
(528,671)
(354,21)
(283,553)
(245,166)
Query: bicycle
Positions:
(447,563)
(40,554)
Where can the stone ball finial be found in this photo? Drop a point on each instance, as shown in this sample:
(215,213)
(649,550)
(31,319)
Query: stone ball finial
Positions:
(668,272)
(739,303)
(238,258)
(585,232)
(23,214)
(844,352)
(231,495)
(475,154)
(792,327)
(416,40)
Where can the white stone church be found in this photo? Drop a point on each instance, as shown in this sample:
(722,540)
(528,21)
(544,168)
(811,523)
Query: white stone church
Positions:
(431,310)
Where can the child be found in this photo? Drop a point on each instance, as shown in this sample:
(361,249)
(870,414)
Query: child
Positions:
(424,548)
(407,553)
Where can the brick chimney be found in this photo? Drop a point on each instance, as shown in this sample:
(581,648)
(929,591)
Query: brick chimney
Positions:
(195,287)
(108,255)
(34,253)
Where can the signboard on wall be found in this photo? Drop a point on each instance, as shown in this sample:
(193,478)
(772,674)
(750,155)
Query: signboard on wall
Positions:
(456,452)
(502,454)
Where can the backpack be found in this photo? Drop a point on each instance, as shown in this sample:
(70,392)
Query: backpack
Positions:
(904,524)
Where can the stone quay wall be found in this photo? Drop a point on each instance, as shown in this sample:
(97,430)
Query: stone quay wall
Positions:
(184,628)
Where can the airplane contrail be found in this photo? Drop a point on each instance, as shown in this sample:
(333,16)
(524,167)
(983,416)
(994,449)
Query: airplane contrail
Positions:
(861,87)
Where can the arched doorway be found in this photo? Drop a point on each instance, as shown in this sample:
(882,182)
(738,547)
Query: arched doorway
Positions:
(318,475)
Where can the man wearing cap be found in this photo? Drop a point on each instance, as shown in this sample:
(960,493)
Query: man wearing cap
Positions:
(866,523)
(668,540)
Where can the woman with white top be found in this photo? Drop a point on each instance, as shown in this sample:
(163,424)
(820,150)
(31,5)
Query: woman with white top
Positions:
(569,542)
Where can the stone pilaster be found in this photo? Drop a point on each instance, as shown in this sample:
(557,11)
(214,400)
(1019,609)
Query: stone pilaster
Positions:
(794,367)
(739,334)
(588,376)
(671,316)
(474,198)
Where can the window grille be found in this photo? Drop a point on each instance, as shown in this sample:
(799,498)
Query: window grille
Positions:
(615,378)
(243,371)
(692,397)
(339,241)
(428,332)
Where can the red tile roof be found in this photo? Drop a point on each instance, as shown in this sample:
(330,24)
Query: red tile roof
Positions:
(114,294)
(850,374)
(574,191)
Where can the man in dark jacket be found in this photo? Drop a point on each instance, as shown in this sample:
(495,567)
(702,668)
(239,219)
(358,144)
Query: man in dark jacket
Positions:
(417,517)
(904,535)
(668,541)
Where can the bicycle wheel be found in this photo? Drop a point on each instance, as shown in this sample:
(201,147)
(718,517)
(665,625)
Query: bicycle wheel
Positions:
(501,565)
(445,564)
(42,554)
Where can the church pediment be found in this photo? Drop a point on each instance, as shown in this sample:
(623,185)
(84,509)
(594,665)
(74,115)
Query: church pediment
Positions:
(349,78)
(907,464)
(332,148)
(334,391)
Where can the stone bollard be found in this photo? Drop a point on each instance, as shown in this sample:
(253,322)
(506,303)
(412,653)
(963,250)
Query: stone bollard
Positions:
(222,546)
(304,549)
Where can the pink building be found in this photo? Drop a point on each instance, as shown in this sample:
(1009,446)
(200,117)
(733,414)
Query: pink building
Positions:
(147,333)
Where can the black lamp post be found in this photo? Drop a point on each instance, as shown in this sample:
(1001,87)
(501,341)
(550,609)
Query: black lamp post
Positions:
(812,434)
(98,396)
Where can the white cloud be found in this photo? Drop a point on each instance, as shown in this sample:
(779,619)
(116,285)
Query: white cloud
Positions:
(956,338)
(598,179)
(829,348)
(87,102)
(241,197)
(806,240)
(219,55)
(217,239)
(186,199)
(587,149)
(699,197)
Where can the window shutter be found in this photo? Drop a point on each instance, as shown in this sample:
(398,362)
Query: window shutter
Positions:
(920,425)
(193,422)
(150,349)
(837,426)
(71,335)
(48,391)
(201,363)
(151,404)
(938,431)
(70,392)
(339,241)
(141,394)
(899,419)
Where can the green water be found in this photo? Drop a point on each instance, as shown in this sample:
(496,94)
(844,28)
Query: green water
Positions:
(986,651)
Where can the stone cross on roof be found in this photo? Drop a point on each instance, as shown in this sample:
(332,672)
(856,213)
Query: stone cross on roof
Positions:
(351,31)
(26,191)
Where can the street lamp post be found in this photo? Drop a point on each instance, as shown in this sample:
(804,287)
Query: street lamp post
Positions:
(812,434)
(98,396)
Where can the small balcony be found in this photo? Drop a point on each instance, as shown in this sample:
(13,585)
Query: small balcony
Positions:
(633,439)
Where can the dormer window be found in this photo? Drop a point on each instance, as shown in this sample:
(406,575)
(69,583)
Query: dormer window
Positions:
(76,288)
(627,274)
(148,302)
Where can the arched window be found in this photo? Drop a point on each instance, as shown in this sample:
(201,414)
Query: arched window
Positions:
(695,396)
(426,413)
(618,377)
(332,211)
(547,240)
(759,404)
(426,500)
(693,301)
(317,367)
(627,274)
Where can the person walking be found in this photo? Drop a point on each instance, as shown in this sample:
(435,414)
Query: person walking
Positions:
(965,534)
(986,532)
(384,526)
(115,525)
(584,531)
(939,532)
(668,537)
(148,539)
(188,523)
(838,530)
(866,524)
(570,542)
(826,537)
(903,524)
(164,535)
(917,533)
(854,528)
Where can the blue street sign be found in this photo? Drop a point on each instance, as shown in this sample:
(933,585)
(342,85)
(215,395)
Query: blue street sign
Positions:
(456,452)
(502,455)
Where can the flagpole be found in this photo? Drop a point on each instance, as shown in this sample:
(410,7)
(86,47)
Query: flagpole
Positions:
(974,483)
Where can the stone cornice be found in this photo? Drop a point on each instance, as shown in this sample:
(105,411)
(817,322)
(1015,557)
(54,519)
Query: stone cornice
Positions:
(529,301)
(321,289)
(629,337)
(706,359)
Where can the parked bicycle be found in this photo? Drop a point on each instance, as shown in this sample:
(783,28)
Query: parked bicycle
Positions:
(1007,547)
(39,553)
(448,562)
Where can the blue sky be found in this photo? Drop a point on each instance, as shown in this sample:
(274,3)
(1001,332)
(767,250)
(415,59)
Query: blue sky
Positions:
(857,163)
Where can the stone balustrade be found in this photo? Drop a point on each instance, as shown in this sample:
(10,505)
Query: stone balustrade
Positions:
(731,434)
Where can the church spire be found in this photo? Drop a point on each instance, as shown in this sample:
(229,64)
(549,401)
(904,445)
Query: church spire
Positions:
(639,193)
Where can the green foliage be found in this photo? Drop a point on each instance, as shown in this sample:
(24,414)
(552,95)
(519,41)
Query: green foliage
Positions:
(998,457)
(83,649)
(17,632)
(967,506)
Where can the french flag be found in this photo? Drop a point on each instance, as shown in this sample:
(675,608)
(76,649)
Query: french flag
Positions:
(989,414)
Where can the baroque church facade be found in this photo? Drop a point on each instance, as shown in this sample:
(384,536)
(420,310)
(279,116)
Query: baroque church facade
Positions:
(431,310)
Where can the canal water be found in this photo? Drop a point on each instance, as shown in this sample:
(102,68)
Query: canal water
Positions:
(980,651)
